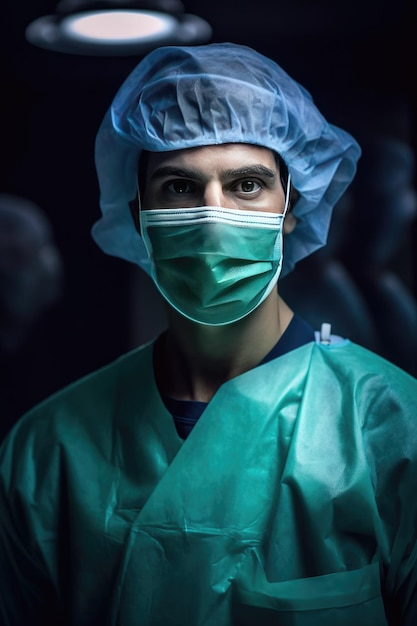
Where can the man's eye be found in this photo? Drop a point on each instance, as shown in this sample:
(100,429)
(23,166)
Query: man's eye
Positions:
(179,187)
(248,186)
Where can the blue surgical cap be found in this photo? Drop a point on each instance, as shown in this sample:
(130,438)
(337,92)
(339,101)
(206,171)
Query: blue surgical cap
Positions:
(183,97)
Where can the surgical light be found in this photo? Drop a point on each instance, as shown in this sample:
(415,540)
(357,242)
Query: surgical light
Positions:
(116,28)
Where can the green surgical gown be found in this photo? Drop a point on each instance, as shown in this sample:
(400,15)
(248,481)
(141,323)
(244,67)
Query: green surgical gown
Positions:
(293,502)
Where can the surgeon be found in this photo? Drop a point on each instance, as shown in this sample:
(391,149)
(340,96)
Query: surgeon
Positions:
(243,468)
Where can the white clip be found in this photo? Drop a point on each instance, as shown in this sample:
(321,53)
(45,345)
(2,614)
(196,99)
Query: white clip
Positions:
(325,333)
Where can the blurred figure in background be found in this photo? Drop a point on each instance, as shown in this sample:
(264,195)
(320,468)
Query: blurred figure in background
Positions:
(375,245)
(356,281)
(30,283)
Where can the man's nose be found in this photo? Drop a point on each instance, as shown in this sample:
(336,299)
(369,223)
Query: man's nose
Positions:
(214,196)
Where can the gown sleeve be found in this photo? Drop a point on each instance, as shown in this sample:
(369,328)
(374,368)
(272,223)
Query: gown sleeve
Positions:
(390,415)
(27,590)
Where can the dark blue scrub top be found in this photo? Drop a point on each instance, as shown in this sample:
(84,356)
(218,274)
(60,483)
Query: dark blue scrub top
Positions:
(187,412)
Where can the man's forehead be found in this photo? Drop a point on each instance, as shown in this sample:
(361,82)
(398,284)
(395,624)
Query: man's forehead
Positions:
(234,154)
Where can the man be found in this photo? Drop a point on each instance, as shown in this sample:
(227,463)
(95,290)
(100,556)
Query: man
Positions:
(240,469)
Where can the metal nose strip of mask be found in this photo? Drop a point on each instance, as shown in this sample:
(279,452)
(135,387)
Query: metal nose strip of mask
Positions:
(208,214)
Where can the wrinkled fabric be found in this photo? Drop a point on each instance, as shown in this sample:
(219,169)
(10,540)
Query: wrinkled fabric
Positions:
(213,265)
(292,501)
(183,97)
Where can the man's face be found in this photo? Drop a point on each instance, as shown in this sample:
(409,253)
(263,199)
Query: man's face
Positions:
(233,176)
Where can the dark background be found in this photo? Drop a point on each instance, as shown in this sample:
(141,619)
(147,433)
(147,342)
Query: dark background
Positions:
(356,58)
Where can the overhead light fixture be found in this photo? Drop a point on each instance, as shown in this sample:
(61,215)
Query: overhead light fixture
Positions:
(116,28)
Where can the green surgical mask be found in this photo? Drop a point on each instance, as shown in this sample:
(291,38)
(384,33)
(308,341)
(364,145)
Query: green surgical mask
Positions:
(213,265)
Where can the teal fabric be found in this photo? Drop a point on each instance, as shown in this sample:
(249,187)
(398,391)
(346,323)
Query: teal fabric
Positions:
(213,265)
(292,501)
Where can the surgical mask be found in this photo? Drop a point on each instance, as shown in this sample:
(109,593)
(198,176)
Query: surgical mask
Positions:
(214,265)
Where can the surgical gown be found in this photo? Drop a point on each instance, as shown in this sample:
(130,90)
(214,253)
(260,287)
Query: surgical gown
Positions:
(292,502)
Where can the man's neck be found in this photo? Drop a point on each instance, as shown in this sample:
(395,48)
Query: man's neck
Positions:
(194,360)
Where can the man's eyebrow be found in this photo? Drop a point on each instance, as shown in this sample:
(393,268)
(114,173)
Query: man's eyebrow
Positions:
(250,170)
(171,170)
(184,172)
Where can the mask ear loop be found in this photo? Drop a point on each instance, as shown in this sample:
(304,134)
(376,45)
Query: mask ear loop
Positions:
(138,194)
(139,210)
(287,196)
